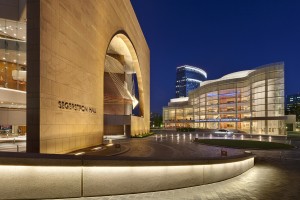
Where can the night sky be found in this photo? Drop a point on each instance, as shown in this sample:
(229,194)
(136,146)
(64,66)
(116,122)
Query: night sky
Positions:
(220,37)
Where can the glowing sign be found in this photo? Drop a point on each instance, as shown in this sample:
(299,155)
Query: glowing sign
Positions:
(218,120)
(77,107)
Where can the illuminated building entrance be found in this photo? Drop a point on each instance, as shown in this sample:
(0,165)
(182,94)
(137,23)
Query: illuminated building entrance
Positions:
(121,91)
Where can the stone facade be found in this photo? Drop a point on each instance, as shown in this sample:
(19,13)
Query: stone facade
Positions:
(67,44)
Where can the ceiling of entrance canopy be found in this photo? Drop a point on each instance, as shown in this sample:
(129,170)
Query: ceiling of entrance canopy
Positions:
(119,47)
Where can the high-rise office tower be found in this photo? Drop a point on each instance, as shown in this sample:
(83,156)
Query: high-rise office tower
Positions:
(188,78)
(293,105)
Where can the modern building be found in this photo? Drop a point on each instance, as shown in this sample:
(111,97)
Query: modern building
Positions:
(68,77)
(251,101)
(188,78)
(13,67)
(293,105)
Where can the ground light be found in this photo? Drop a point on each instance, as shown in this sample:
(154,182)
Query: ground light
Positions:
(79,153)
(110,143)
(96,148)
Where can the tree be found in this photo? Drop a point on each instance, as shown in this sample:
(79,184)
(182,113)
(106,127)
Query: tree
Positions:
(158,121)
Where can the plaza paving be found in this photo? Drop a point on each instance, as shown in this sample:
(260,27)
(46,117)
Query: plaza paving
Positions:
(168,147)
(276,174)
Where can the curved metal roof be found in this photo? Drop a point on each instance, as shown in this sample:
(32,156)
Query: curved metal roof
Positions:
(196,69)
(235,75)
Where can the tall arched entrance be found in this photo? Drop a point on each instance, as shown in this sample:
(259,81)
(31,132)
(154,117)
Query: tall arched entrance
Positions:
(123,94)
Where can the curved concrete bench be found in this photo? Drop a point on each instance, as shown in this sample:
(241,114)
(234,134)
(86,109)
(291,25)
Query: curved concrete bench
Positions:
(29,176)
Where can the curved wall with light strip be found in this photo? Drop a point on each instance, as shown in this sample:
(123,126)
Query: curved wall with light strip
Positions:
(65,177)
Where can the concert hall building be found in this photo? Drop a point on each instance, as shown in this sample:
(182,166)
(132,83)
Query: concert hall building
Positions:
(72,72)
(251,101)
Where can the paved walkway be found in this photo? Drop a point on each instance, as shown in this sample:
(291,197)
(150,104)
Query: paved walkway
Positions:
(276,174)
(162,146)
(168,147)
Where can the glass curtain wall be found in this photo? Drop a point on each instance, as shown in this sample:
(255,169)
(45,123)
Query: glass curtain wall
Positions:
(252,104)
(13,69)
(13,55)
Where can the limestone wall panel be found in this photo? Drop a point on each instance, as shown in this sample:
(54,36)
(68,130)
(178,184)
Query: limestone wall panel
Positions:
(74,36)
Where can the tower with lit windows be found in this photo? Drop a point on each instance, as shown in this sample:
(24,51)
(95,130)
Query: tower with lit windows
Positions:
(293,105)
(188,78)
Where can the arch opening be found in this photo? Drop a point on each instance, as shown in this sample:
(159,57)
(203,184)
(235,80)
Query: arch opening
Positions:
(123,94)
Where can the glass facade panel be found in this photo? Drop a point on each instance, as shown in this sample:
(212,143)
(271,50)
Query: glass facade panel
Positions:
(212,125)
(188,78)
(258,126)
(13,66)
(276,127)
(202,125)
(227,125)
(188,114)
(13,76)
(179,114)
(244,126)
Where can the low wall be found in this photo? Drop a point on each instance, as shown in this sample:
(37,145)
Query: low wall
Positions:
(25,176)
(137,125)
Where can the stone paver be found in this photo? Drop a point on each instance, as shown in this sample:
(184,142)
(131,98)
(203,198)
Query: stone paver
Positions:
(276,174)
(166,146)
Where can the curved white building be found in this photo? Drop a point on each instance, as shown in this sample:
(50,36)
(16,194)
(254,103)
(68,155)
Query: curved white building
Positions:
(251,101)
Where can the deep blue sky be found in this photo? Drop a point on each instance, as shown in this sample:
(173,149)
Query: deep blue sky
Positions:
(219,36)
